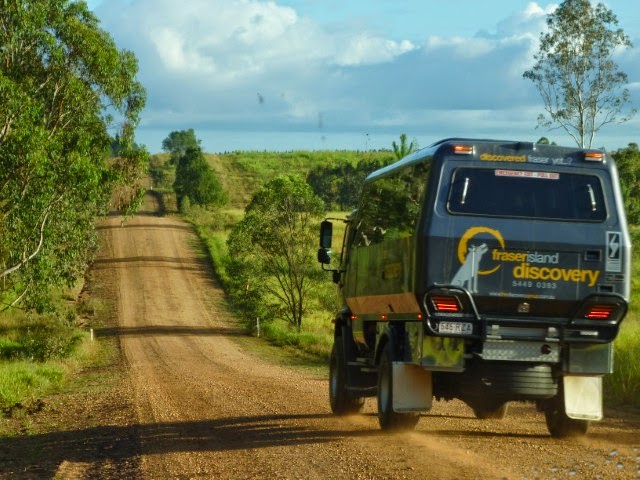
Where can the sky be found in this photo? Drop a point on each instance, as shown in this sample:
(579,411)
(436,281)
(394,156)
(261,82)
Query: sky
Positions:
(345,74)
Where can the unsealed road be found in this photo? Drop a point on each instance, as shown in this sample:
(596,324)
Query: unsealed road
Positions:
(207,409)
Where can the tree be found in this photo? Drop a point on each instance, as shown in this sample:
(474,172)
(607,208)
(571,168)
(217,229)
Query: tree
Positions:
(63,85)
(275,243)
(178,142)
(403,149)
(580,84)
(545,141)
(628,163)
(339,185)
(196,180)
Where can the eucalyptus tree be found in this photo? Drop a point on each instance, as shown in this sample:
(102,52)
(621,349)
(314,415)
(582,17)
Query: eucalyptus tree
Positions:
(575,73)
(273,247)
(196,180)
(66,91)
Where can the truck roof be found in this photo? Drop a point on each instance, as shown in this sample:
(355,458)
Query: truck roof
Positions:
(503,152)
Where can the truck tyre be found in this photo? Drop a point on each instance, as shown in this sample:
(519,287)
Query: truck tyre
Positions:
(558,423)
(388,419)
(341,400)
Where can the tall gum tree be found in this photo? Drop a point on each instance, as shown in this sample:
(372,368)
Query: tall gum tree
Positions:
(575,73)
(63,86)
(274,245)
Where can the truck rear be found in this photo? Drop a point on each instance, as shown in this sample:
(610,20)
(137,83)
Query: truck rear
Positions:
(489,271)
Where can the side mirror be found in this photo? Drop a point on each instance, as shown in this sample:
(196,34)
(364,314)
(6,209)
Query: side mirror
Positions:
(326,234)
(324,256)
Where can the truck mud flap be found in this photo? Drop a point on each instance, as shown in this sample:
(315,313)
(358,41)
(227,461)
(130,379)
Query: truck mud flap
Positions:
(412,388)
(583,397)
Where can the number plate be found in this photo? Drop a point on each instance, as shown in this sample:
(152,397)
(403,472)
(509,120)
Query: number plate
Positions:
(459,328)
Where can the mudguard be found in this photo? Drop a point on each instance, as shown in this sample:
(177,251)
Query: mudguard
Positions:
(583,397)
(412,388)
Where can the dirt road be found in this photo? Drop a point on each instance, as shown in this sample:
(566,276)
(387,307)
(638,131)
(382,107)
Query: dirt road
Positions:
(204,408)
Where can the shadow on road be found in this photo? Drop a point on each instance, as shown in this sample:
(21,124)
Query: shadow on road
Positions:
(120,447)
(170,330)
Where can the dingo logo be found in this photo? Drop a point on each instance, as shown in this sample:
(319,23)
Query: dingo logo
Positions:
(545,266)
(470,257)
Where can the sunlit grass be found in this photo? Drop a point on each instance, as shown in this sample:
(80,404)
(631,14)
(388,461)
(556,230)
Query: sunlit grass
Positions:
(623,386)
(25,381)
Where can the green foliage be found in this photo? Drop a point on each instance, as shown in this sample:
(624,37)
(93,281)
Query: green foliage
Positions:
(628,163)
(61,78)
(23,381)
(44,338)
(404,149)
(339,185)
(545,141)
(580,84)
(272,249)
(196,182)
(623,386)
(242,174)
(162,173)
(178,142)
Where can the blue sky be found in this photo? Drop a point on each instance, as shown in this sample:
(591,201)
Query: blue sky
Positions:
(344,74)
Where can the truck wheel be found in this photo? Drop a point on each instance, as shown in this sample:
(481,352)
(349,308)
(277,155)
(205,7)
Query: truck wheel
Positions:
(388,419)
(341,400)
(558,423)
(495,413)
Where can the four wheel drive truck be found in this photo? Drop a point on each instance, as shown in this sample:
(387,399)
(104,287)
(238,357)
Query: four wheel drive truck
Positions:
(487,271)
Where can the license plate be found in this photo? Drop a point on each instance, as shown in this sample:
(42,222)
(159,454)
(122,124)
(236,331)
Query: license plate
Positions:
(459,328)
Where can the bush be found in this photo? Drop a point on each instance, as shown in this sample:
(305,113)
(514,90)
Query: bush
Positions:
(47,338)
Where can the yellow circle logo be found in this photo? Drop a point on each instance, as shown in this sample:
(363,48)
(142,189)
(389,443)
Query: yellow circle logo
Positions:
(468,235)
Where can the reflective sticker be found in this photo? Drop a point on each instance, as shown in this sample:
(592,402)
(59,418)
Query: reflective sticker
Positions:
(614,252)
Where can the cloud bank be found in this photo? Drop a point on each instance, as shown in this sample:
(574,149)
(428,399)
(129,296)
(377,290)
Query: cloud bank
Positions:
(249,65)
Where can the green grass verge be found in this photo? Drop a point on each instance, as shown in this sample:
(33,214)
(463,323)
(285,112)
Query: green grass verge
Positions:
(23,382)
(623,385)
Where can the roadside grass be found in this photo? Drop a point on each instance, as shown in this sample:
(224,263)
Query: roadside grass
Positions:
(623,385)
(23,382)
(40,354)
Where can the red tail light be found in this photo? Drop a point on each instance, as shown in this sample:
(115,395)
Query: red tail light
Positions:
(445,304)
(600,312)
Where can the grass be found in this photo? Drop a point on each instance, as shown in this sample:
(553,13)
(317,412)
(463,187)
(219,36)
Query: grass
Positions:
(23,382)
(623,386)
(40,354)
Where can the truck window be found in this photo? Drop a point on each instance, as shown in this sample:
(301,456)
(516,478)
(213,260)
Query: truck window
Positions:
(390,206)
(527,194)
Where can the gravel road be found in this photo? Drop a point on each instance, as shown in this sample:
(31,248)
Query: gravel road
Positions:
(205,408)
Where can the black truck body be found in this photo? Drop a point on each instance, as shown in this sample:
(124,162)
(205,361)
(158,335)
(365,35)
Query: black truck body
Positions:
(489,271)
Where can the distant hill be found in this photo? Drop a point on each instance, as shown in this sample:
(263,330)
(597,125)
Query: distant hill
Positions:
(243,173)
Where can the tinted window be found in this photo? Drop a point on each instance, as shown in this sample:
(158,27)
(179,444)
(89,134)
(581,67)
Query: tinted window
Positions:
(529,194)
(390,206)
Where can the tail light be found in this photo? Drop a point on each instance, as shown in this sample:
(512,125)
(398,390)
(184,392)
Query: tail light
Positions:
(450,311)
(445,304)
(600,312)
(609,309)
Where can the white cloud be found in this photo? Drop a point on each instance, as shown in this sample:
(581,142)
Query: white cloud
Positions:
(461,47)
(252,64)
(365,49)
